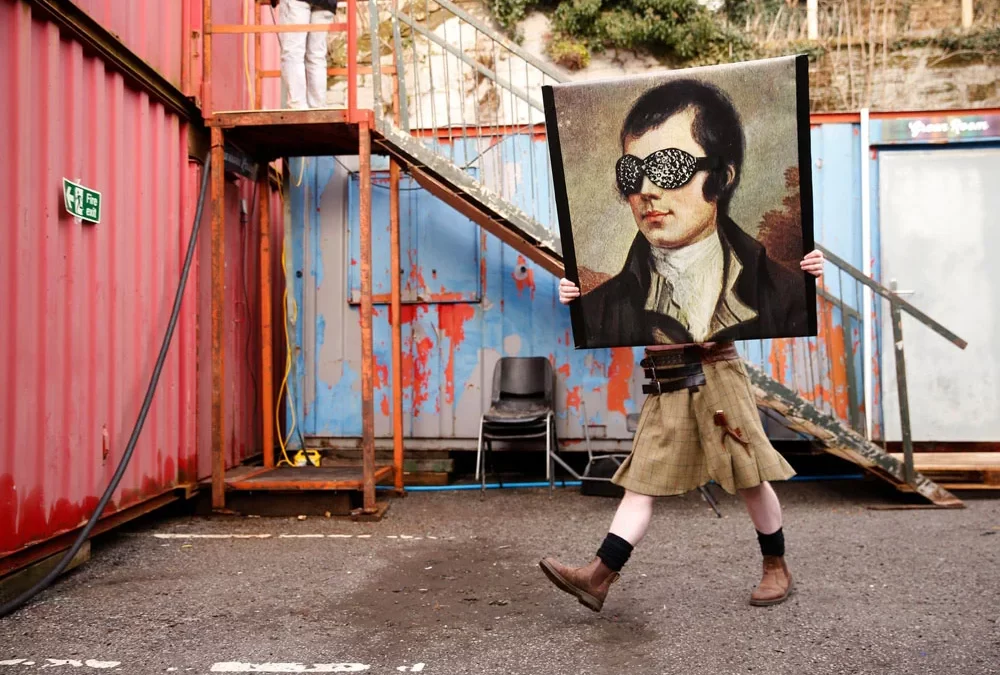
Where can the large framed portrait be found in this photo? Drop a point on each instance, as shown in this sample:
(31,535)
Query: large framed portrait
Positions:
(685,203)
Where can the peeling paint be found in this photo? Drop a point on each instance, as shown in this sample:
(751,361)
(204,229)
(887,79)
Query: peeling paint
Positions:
(573,398)
(619,379)
(452,319)
(524,277)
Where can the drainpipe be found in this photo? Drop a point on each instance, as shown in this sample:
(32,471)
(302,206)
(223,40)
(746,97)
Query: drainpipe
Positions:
(866,267)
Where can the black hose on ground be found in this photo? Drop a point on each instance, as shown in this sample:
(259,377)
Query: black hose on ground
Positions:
(19,601)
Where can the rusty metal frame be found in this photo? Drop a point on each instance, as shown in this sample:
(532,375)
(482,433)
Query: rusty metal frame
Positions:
(367,352)
(253,481)
(257,29)
(218,353)
(266,328)
(397,329)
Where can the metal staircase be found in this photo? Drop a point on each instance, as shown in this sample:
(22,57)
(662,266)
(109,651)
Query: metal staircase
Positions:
(455,77)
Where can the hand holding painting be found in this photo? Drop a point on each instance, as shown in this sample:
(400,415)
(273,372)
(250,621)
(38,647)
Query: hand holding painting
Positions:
(812,263)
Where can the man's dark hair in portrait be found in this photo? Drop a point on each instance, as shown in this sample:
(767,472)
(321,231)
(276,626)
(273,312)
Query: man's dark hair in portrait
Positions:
(692,274)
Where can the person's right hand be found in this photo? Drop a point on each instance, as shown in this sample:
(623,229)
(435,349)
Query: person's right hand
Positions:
(568,291)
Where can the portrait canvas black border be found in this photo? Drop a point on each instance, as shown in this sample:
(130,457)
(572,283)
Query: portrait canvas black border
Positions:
(562,209)
(805,198)
(805,180)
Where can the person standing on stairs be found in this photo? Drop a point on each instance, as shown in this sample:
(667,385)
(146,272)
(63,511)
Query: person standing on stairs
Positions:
(303,55)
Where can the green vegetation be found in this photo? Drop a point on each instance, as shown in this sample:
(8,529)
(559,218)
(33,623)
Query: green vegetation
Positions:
(674,30)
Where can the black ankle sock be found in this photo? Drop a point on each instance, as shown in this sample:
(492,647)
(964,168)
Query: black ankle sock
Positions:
(772,544)
(615,552)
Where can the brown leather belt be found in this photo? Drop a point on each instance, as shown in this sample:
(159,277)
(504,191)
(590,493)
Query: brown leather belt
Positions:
(691,382)
(725,351)
(665,379)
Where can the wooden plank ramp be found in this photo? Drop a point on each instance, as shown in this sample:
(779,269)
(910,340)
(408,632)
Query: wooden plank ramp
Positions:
(800,415)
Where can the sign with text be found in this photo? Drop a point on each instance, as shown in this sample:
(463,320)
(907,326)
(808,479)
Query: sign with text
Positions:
(942,128)
(82,202)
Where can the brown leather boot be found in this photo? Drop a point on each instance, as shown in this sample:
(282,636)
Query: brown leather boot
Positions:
(775,585)
(589,584)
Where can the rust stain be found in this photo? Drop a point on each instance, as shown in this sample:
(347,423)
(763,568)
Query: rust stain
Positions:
(779,353)
(385,405)
(619,377)
(482,263)
(564,370)
(354,263)
(446,296)
(416,278)
(451,319)
(838,360)
(524,277)
(416,353)
(573,398)
(381,374)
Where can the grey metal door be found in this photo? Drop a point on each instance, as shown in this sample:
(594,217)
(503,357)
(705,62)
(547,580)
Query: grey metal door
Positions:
(940,232)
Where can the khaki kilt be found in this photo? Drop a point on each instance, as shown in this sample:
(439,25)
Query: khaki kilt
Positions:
(678,446)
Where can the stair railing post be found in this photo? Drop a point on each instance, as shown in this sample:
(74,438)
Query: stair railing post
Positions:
(904,403)
(376,59)
(397,38)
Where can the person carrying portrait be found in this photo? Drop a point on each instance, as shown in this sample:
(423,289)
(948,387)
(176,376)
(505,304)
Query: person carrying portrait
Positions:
(693,281)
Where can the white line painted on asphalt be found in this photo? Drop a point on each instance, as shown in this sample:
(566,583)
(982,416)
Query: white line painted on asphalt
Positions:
(415,668)
(239,667)
(310,535)
(180,535)
(72,663)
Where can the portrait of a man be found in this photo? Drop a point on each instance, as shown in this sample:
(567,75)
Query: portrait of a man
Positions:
(679,159)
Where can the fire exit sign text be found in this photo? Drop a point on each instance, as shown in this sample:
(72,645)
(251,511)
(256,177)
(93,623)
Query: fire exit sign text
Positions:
(82,202)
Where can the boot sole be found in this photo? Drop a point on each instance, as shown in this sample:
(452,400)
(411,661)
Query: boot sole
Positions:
(776,601)
(586,599)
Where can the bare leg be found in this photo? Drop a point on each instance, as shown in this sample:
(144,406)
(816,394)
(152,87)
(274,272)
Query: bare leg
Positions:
(590,583)
(764,507)
(765,512)
(632,517)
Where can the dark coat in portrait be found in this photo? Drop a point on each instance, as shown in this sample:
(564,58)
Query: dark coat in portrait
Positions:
(769,299)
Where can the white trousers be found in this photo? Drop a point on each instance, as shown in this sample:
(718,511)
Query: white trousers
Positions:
(303,55)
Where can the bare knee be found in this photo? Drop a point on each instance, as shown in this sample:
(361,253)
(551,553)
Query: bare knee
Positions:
(756,492)
(636,499)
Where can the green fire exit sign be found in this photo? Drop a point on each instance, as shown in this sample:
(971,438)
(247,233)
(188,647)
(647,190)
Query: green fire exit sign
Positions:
(82,202)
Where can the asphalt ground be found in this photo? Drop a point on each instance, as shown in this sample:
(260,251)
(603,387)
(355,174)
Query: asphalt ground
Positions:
(449,583)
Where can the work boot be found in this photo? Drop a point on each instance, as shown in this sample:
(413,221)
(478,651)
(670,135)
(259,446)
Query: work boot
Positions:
(775,585)
(589,584)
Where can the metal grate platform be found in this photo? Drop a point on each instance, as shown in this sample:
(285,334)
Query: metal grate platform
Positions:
(301,478)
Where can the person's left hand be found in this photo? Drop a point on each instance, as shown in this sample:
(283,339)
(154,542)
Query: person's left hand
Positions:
(813,263)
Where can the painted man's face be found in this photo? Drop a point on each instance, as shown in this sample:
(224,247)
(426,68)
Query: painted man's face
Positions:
(672,218)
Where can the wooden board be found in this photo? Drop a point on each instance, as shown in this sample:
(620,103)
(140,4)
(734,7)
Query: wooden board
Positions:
(954,461)
(959,470)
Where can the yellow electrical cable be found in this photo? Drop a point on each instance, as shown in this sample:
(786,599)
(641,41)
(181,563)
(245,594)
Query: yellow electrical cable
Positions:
(282,439)
(302,170)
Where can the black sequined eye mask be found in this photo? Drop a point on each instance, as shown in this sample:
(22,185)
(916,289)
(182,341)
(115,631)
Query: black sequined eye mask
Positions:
(670,168)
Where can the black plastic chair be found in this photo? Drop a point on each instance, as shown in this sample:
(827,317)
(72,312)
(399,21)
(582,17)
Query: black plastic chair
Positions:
(522,407)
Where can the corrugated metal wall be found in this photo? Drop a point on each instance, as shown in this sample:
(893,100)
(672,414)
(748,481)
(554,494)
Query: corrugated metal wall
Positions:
(152,30)
(473,299)
(87,305)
